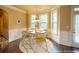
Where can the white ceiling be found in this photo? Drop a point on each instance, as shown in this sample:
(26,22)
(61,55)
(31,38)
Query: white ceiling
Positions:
(35,8)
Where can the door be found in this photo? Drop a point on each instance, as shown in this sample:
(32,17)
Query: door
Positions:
(76,26)
(76,31)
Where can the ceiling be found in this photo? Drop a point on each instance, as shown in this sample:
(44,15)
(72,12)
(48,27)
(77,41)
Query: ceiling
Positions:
(35,8)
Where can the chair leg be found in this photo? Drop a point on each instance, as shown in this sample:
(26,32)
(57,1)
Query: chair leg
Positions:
(46,46)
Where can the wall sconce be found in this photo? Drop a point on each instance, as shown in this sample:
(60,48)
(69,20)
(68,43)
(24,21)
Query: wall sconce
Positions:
(18,21)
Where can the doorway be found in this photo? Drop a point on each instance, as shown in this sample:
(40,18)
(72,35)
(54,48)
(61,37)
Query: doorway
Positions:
(3,23)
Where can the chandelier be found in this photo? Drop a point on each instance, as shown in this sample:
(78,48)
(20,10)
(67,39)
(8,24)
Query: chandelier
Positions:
(37,20)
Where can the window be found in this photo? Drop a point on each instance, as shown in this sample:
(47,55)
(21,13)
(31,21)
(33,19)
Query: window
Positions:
(76,9)
(54,22)
(33,17)
(43,21)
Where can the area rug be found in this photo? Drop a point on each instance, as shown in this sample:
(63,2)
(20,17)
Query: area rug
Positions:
(31,46)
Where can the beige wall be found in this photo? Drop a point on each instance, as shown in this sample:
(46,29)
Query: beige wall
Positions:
(49,24)
(29,21)
(65,18)
(13,16)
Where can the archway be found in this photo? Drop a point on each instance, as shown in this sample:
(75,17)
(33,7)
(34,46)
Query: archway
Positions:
(4,23)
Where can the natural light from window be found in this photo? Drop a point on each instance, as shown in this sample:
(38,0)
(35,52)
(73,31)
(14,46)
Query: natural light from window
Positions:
(54,22)
(43,22)
(76,9)
(33,18)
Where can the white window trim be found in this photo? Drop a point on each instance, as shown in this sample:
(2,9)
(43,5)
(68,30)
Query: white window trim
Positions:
(52,21)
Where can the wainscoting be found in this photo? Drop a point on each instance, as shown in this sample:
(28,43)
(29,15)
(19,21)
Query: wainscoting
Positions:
(15,34)
(64,38)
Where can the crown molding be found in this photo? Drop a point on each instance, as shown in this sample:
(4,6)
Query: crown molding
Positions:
(14,8)
(44,10)
(55,7)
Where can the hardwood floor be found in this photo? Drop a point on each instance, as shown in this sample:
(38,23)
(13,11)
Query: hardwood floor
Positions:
(13,47)
(62,48)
